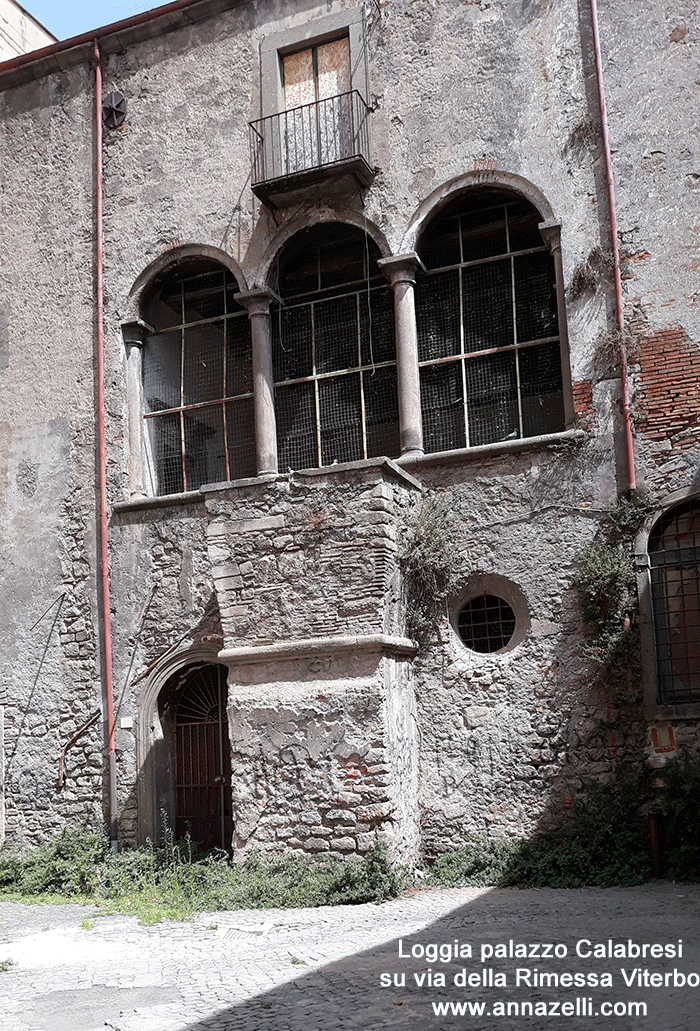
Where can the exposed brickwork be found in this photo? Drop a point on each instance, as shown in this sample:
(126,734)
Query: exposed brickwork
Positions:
(668,393)
(583,402)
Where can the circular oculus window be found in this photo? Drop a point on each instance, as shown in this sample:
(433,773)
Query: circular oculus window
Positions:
(486,623)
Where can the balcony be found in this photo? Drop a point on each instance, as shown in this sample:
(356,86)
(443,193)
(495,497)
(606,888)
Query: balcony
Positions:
(307,144)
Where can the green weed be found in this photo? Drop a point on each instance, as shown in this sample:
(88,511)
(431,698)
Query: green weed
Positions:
(431,561)
(175,880)
(603,843)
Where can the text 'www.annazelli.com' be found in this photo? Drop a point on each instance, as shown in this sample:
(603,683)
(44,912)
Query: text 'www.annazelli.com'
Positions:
(581,1007)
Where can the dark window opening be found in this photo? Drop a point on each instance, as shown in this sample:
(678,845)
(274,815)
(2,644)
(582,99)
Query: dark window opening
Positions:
(488,334)
(674,559)
(198,381)
(486,623)
(333,349)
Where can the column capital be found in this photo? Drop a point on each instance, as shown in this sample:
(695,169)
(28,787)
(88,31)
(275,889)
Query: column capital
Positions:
(134,332)
(551,234)
(257,301)
(401,268)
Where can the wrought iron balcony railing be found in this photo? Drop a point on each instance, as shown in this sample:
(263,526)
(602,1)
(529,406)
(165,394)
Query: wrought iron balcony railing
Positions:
(307,142)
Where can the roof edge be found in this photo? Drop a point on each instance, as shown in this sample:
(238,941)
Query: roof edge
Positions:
(62,54)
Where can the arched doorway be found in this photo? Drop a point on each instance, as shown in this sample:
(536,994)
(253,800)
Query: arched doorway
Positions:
(193,715)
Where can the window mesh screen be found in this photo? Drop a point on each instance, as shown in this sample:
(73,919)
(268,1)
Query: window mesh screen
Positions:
(239,357)
(334,353)
(442,403)
(483,312)
(340,413)
(438,316)
(377,326)
(535,297)
(240,438)
(198,380)
(542,397)
(674,554)
(292,342)
(295,407)
(203,362)
(162,371)
(381,412)
(336,336)
(205,454)
(492,399)
(488,306)
(167,450)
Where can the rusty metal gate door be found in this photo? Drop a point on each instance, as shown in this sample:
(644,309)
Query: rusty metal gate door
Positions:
(202,760)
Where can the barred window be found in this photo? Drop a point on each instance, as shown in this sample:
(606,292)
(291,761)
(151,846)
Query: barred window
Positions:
(198,382)
(488,336)
(333,351)
(674,559)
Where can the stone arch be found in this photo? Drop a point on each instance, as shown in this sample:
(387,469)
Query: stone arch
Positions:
(433,205)
(306,221)
(151,744)
(171,258)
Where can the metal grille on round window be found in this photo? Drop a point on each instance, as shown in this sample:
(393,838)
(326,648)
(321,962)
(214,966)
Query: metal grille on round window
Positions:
(486,623)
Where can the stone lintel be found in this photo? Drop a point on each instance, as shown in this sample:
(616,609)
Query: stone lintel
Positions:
(387,467)
(314,646)
(236,526)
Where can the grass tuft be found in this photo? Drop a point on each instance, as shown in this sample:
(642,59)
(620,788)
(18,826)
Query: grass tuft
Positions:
(175,880)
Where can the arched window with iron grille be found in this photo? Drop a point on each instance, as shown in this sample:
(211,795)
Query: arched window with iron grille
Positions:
(333,349)
(198,382)
(674,563)
(488,334)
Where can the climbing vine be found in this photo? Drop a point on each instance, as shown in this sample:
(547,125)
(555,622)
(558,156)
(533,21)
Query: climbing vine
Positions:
(607,588)
(431,558)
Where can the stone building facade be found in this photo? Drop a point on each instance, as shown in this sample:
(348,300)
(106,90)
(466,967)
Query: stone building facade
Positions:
(19,31)
(276,280)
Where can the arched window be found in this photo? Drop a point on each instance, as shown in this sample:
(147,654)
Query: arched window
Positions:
(198,384)
(488,335)
(333,351)
(674,560)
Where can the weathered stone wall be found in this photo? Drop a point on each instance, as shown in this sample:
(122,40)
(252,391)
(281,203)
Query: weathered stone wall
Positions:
(311,555)
(314,741)
(508,737)
(161,576)
(49,652)
(320,689)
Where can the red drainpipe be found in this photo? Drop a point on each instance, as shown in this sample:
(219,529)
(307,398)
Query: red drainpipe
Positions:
(619,313)
(102,460)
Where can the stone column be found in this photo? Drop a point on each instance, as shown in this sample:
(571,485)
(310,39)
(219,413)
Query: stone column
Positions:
(257,303)
(551,234)
(401,272)
(133,334)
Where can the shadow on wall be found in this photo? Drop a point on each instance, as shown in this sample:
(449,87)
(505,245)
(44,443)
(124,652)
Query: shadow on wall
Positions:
(348,993)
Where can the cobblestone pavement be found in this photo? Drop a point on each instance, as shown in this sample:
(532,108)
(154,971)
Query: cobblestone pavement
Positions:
(312,969)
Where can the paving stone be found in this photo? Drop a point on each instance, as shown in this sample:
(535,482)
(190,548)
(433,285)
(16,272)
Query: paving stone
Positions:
(313,969)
